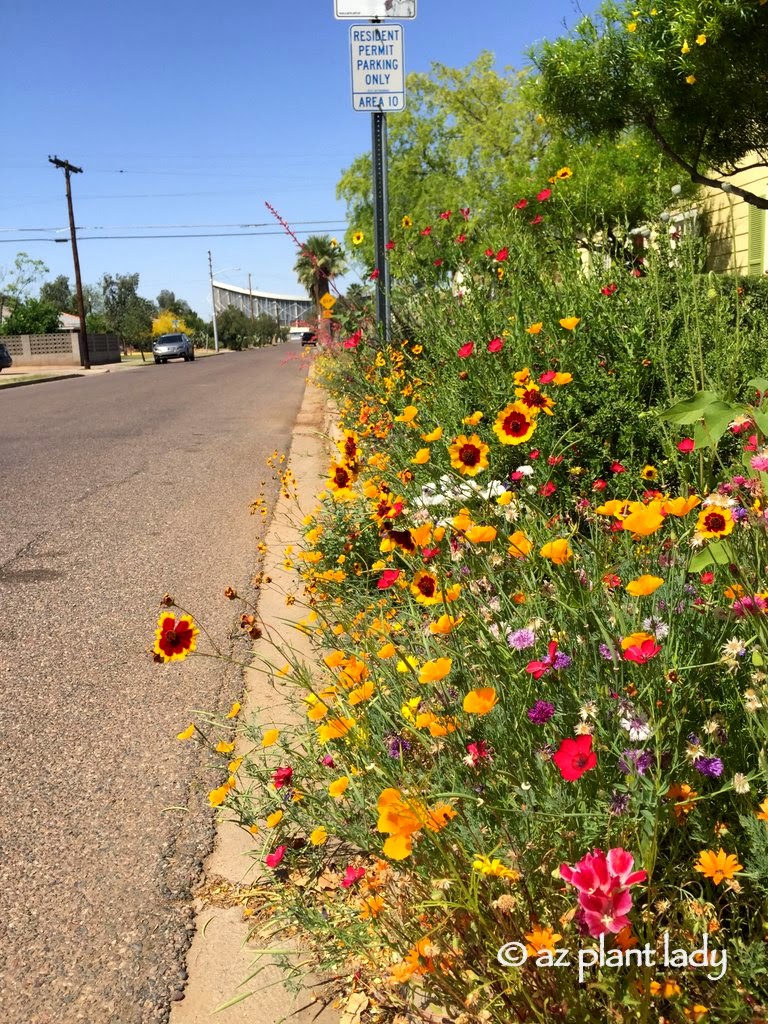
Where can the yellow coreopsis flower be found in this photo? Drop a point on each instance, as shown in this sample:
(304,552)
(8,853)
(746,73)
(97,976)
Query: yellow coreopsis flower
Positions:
(717,866)
(357,238)
(421,457)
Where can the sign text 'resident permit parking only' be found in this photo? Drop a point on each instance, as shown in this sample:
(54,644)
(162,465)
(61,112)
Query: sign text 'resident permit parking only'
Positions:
(378,77)
(375,8)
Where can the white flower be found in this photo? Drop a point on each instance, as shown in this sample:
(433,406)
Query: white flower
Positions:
(733,648)
(751,700)
(637,727)
(740,783)
(583,729)
(525,470)
(588,710)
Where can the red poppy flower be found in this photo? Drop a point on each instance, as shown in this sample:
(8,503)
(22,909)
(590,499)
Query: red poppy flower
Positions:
(547,377)
(489,253)
(429,553)
(460,239)
(574,757)
(438,262)
(352,874)
(273,859)
(534,453)
(502,254)
(641,653)
(599,485)
(544,195)
(466,350)
(609,289)
(388,578)
(353,340)
(707,577)
(554,460)
(374,274)
(390,245)
(611,580)
(547,489)
(539,668)
(495,344)
(445,215)
(426,231)
(282,777)
(521,204)
(686,445)
(537,219)
(465,212)
(616,467)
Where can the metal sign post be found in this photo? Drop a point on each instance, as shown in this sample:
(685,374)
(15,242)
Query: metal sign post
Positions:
(381,223)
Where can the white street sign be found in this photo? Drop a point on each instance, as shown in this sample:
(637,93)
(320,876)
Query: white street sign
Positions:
(378,76)
(375,8)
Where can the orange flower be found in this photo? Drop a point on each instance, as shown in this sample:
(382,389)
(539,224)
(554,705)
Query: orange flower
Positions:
(519,545)
(644,585)
(335,729)
(433,671)
(338,787)
(481,534)
(480,702)
(534,328)
(541,940)
(469,454)
(421,457)
(569,322)
(762,814)
(433,435)
(370,907)
(387,651)
(635,640)
(514,424)
(684,797)
(445,625)
(680,506)
(409,414)
(360,693)
(188,733)
(717,866)
(562,378)
(644,520)
(557,551)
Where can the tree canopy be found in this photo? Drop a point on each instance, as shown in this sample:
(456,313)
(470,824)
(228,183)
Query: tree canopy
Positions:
(320,260)
(58,294)
(692,77)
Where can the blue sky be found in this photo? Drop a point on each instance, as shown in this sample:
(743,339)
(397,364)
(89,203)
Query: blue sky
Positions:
(191,116)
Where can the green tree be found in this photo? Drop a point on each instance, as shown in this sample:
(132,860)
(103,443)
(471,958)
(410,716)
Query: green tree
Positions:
(235,328)
(692,77)
(321,260)
(16,281)
(58,294)
(126,312)
(32,316)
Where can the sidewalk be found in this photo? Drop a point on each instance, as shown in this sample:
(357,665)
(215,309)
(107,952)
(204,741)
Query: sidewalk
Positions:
(219,960)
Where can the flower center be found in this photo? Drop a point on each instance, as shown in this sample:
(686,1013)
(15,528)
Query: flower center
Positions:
(715,522)
(469,455)
(426,586)
(515,424)
(341,477)
(171,636)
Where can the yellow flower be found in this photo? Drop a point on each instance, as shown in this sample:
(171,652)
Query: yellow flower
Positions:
(234,711)
(698,1011)
(557,551)
(270,737)
(701,39)
(338,787)
(480,702)
(632,26)
(717,866)
(433,671)
(408,415)
(690,79)
(541,940)
(407,222)
(473,419)
(494,868)
(370,907)
(224,748)
(233,766)
(318,836)
(680,506)
(421,457)
(274,819)
(569,322)
(514,424)
(685,48)
(469,454)
(762,814)
(644,585)
(714,521)
(188,733)
(357,238)
(534,328)
(433,435)
(563,173)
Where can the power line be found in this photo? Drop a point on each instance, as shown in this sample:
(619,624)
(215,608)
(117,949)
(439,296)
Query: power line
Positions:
(105,238)
(161,227)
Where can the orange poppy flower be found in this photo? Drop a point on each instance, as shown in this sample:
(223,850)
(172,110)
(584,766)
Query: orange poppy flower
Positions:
(644,585)
(433,671)
(557,551)
(480,702)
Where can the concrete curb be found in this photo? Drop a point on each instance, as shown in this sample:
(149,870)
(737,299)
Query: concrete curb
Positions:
(219,959)
(38,380)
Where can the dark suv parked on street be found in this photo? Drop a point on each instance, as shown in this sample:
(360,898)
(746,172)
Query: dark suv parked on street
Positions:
(5,357)
(173,346)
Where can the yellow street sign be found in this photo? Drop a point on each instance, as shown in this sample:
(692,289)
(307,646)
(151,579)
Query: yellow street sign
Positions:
(328,301)
(327,314)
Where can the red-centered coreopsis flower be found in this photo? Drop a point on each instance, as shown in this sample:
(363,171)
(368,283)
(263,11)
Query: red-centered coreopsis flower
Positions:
(544,195)
(352,875)
(502,254)
(641,653)
(388,579)
(609,289)
(273,859)
(521,204)
(686,445)
(574,757)
(495,344)
(537,219)
(174,638)
(466,350)
(282,777)
(514,424)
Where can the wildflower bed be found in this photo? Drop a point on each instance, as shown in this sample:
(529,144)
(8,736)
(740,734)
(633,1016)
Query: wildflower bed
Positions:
(529,779)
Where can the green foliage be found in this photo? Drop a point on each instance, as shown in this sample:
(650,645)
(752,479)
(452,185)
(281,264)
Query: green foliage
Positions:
(689,76)
(320,260)
(58,294)
(238,331)
(126,312)
(32,316)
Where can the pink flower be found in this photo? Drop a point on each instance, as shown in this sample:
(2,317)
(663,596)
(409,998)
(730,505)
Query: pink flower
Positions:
(374,274)
(751,444)
(466,350)
(477,753)
(760,461)
(539,668)
(521,204)
(574,757)
(537,219)
(351,876)
(534,453)
(465,212)
(445,215)
(489,253)
(686,445)
(388,578)
(547,376)
(282,777)
(641,653)
(273,859)
(390,245)
(502,254)
(495,344)
(544,195)
(599,485)
(603,884)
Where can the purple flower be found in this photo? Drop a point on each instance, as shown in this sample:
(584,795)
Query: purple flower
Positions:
(712,767)
(635,760)
(618,803)
(739,514)
(561,661)
(541,712)
(396,745)
(521,639)
(606,652)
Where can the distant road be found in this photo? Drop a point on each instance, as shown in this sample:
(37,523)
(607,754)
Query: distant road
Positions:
(113,490)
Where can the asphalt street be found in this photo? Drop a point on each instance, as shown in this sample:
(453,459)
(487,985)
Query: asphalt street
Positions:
(116,489)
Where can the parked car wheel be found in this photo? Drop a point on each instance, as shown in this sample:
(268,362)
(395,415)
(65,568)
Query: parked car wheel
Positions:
(157,361)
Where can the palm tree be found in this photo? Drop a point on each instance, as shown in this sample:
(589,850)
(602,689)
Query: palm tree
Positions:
(320,260)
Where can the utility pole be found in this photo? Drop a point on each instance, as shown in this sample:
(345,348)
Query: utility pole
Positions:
(70,169)
(213,305)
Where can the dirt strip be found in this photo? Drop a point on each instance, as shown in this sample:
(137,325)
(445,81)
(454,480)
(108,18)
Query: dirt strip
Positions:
(220,958)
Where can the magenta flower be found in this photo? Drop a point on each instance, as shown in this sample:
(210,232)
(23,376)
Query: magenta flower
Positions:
(495,344)
(465,351)
(603,882)
(273,859)
(640,653)
(351,876)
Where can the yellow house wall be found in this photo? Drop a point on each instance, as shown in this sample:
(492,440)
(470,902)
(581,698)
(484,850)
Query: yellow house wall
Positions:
(728,222)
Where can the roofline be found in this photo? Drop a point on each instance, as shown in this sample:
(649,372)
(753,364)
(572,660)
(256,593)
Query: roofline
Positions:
(259,294)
